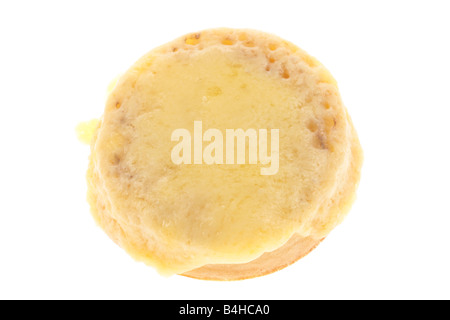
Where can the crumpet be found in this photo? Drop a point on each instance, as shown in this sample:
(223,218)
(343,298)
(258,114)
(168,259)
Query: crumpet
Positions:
(225,154)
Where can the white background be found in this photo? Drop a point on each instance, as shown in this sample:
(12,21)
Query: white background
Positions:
(391,60)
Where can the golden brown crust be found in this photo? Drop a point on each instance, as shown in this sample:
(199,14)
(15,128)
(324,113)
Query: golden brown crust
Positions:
(296,248)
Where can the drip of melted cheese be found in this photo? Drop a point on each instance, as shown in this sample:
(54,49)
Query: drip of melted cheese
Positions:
(85,130)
